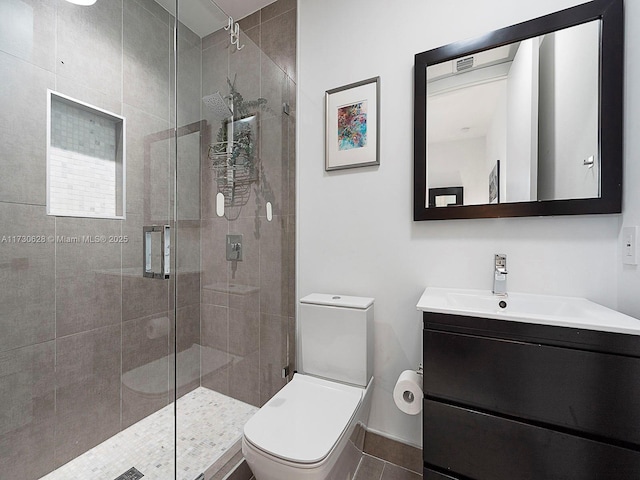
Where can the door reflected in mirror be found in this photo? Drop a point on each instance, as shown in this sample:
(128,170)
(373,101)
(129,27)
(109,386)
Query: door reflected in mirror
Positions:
(519,122)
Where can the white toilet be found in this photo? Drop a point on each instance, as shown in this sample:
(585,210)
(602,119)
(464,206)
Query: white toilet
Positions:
(312,429)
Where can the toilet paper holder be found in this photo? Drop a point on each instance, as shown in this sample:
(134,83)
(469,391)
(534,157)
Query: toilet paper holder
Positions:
(408,396)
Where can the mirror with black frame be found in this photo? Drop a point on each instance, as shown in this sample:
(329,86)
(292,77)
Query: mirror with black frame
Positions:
(523,121)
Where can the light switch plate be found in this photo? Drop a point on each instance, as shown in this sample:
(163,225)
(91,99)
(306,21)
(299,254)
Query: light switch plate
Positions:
(630,245)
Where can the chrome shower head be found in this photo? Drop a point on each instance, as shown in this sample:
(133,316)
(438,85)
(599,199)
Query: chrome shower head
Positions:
(218,106)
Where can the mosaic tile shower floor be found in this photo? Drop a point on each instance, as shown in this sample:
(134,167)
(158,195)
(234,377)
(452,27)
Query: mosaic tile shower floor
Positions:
(208,424)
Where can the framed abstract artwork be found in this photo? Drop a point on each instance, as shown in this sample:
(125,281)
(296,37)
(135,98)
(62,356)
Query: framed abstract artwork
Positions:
(352,125)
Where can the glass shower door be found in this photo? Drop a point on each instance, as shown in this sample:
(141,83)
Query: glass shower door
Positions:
(86,153)
(234,226)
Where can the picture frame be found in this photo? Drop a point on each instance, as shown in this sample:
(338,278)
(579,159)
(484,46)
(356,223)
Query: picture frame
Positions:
(494,183)
(352,119)
(446,196)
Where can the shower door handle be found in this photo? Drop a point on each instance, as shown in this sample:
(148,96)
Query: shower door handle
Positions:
(165,251)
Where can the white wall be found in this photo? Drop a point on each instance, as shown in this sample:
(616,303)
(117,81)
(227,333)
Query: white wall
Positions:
(569,65)
(496,141)
(356,234)
(629,276)
(519,169)
(460,163)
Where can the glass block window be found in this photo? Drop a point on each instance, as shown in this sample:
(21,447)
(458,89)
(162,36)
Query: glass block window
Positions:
(85,160)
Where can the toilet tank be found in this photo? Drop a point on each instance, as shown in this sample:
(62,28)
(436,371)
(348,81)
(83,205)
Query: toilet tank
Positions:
(335,335)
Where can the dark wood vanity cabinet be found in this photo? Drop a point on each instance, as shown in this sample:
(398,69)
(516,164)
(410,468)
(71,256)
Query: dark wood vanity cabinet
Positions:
(507,400)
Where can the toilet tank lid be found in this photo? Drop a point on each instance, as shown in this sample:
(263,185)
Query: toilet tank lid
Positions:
(343,301)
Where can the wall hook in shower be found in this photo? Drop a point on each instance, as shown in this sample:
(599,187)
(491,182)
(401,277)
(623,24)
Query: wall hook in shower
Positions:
(234,32)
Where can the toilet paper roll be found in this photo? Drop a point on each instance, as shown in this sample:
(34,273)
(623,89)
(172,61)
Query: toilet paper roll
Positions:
(407,393)
(157,327)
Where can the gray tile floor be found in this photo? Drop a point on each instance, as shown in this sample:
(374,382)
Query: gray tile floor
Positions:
(372,468)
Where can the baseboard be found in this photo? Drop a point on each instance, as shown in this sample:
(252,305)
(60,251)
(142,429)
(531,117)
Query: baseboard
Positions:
(393,451)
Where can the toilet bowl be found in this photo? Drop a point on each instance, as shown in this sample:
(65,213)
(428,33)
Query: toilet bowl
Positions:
(307,431)
(312,428)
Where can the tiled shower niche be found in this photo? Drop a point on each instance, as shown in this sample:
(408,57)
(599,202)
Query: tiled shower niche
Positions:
(85,160)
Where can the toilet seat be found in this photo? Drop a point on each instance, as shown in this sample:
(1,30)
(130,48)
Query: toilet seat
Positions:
(309,416)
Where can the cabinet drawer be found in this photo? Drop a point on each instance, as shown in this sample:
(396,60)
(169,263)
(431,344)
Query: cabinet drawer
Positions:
(582,391)
(484,447)
(433,475)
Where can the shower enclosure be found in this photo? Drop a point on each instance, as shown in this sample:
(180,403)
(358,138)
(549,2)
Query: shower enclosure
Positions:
(146,234)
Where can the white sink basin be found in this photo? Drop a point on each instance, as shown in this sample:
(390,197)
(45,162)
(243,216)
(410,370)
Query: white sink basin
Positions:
(523,307)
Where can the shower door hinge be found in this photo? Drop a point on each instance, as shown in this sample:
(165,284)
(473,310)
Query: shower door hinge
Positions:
(285,371)
(285,108)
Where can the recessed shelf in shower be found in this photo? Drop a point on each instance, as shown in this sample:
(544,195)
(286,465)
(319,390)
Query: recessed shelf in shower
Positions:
(85,159)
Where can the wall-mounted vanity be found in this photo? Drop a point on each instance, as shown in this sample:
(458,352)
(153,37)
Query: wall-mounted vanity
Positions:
(523,121)
(528,387)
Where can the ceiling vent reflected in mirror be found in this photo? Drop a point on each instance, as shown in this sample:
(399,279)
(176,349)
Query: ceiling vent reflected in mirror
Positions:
(464,64)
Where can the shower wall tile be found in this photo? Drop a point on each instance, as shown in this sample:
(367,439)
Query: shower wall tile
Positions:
(142,297)
(27,296)
(274,331)
(274,87)
(214,78)
(215,271)
(188,332)
(250,26)
(217,378)
(132,248)
(188,35)
(215,357)
(244,333)
(27,31)
(156,10)
(28,409)
(278,41)
(274,282)
(144,341)
(249,22)
(23,126)
(219,36)
(247,298)
(89,45)
(244,379)
(215,327)
(277,8)
(189,77)
(145,362)
(187,342)
(188,284)
(188,173)
(87,391)
(88,274)
(148,50)
(148,154)
(274,180)
(75,89)
(244,66)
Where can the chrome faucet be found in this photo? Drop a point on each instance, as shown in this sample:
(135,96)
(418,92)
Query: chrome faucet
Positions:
(500,275)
